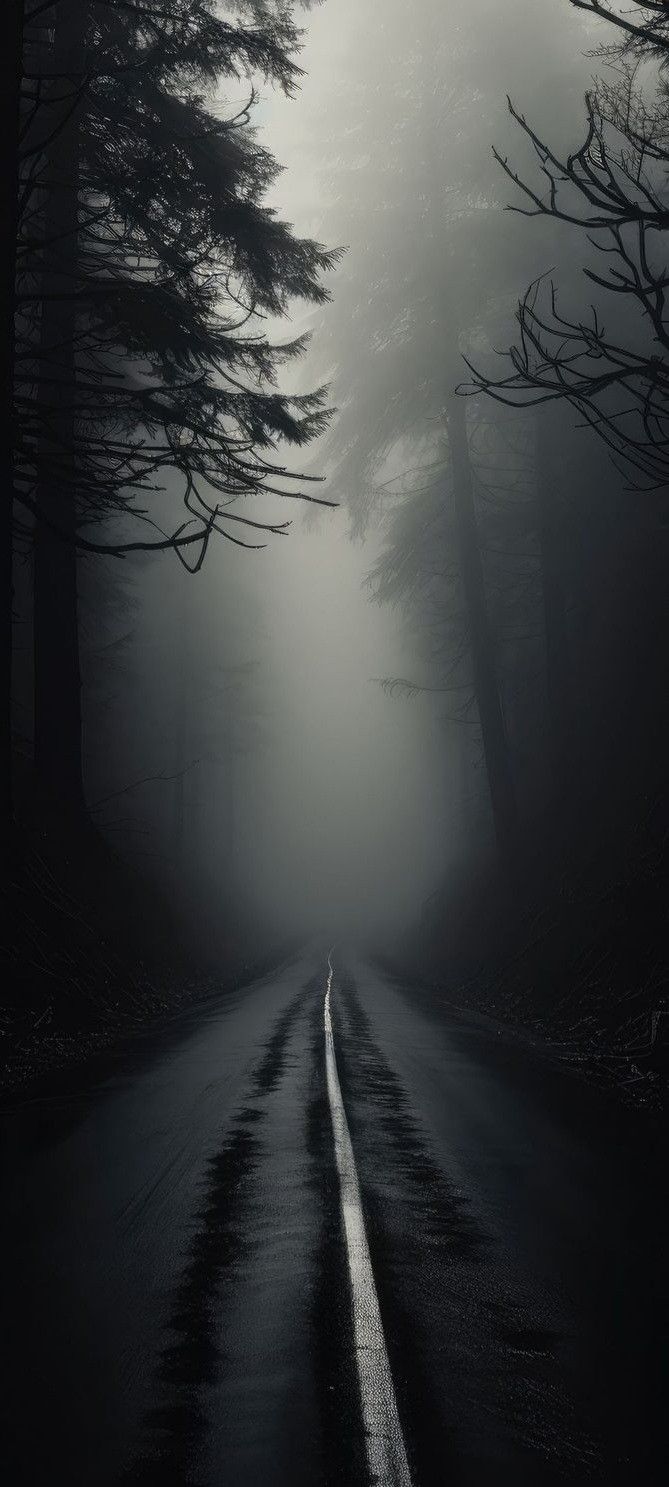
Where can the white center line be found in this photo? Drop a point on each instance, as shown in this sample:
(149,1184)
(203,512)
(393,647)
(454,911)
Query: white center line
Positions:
(384,1442)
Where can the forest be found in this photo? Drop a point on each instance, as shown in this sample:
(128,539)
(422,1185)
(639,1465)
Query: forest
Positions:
(335,742)
(363,369)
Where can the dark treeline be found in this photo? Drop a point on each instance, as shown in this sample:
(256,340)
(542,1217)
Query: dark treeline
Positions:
(501,436)
(144,253)
(523,498)
(142,264)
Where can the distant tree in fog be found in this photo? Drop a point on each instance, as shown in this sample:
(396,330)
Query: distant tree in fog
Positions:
(433,272)
(428,268)
(148,264)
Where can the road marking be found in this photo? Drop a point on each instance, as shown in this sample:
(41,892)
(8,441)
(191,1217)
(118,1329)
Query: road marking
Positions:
(384,1442)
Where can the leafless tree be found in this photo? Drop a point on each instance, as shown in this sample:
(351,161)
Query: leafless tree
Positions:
(612,189)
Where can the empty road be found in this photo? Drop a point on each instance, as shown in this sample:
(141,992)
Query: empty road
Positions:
(328,1230)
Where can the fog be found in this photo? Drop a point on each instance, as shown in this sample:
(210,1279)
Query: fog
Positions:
(243,748)
(308,792)
(334,1028)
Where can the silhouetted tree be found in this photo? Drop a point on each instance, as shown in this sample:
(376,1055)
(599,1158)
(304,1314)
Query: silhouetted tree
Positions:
(148,262)
(428,265)
(57,725)
(612,189)
(608,360)
(552,531)
(498,767)
(10,124)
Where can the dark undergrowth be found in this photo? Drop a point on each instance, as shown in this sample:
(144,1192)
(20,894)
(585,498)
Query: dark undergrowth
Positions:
(92,951)
(571,943)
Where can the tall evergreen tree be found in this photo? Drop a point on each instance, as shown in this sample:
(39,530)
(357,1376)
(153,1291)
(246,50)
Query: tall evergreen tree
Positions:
(428,263)
(431,270)
(57,725)
(149,263)
(10,123)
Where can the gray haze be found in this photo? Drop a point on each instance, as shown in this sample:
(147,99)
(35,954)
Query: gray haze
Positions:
(303,790)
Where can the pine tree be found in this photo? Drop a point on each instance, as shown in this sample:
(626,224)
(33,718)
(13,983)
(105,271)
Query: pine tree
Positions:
(430,270)
(9,151)
(149,264)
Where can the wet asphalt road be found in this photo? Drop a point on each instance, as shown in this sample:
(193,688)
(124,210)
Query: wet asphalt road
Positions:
(176,1298)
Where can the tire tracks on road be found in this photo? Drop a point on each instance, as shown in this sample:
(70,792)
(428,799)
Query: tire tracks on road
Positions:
(221,1242)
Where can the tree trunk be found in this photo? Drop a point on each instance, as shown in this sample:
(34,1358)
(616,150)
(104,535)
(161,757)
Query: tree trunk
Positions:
(9,148)
(500,782)
(58,747)
(551,540)
(183,726)
(179,793)
(227,770)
